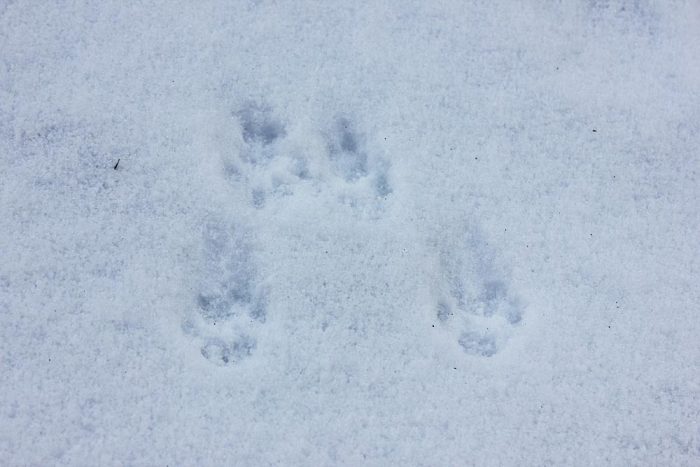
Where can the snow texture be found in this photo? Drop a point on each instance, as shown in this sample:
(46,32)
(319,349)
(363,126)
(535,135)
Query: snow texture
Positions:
(347,233)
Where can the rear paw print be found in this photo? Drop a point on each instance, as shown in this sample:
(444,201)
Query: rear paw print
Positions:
(478,307)
(230,304)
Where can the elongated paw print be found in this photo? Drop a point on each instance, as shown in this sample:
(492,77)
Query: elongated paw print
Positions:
(479,307)
(230,304)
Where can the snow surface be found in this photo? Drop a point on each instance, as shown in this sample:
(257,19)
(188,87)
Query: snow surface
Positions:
(382,233)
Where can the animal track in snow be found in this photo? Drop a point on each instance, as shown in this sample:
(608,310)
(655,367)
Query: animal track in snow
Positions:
(348,155)
(272,166)
(230,303)
(478,306)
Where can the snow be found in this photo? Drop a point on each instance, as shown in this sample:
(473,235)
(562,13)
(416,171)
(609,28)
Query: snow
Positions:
(392,233)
